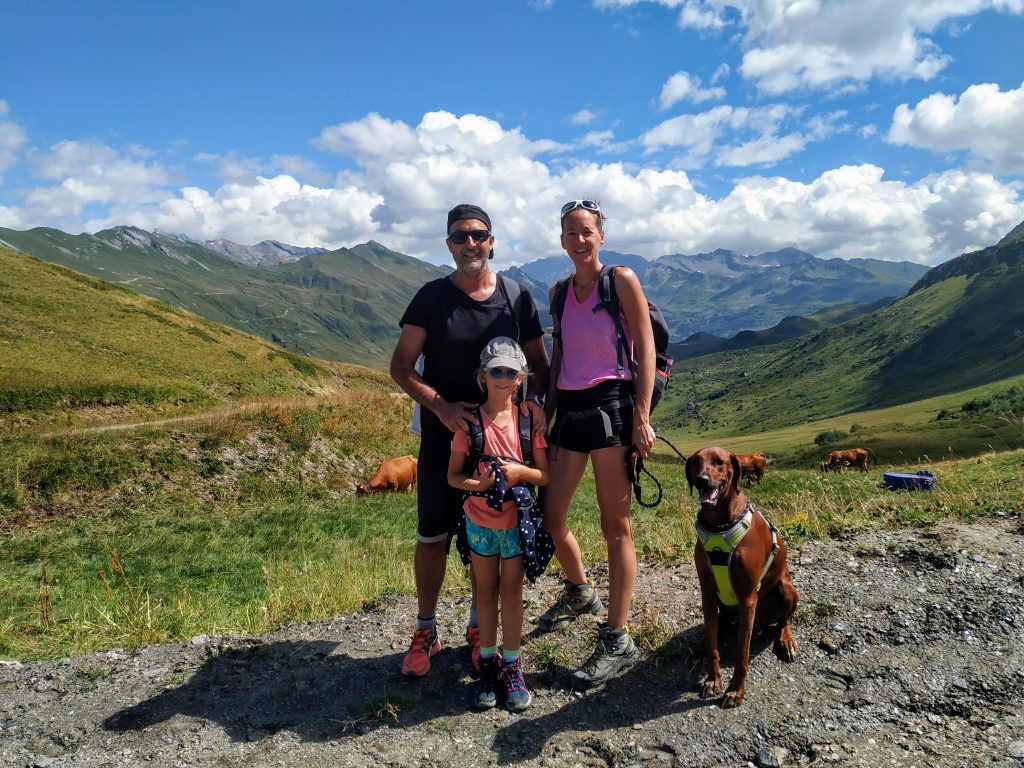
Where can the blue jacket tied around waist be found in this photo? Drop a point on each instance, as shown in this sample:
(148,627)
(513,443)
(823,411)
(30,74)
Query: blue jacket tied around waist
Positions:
(537,544)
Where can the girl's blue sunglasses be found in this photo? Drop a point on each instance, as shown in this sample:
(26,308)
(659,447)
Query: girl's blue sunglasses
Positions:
(497,373)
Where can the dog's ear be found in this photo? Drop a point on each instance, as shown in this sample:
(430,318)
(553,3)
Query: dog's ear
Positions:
(736,472)
(689,473)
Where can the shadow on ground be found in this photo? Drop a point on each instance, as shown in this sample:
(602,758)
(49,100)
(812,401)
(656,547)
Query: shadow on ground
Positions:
(309,689)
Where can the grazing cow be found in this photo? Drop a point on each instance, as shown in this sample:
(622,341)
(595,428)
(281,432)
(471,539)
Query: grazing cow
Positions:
(392,475)
(752,466)
(837,460)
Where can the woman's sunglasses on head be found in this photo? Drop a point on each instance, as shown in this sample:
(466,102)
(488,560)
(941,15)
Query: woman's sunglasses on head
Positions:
(460,237)
(497,373)
(587,205)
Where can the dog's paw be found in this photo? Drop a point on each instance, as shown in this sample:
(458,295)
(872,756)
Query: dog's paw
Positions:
(786,647)
(732,699)
(712,687)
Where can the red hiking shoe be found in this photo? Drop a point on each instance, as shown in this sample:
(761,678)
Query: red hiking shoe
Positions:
(473,641)
(425,644)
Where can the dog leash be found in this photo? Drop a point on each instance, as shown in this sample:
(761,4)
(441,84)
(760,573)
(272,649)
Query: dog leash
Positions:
(635,467)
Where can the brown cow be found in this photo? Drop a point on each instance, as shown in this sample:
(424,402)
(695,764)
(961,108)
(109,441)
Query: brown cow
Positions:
(752,466)
(837,460)
(392,475)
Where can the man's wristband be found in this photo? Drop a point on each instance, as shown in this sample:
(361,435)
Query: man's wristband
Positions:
(536,399)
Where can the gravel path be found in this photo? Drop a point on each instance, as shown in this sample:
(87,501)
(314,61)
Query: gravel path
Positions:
(912,654)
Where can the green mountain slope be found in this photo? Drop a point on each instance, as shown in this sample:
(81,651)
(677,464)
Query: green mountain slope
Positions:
(962,325)
(788,328)
(723,293)
(69,341)
(339,305)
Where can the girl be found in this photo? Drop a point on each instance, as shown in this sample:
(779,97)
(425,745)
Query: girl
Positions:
(491,519)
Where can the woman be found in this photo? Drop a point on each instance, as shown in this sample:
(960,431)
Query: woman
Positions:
(600,412)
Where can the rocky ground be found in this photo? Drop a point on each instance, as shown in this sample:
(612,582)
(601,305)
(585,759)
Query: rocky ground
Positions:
(911,655)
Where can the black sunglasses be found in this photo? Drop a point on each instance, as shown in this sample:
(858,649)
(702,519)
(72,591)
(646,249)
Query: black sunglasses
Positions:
(587,205)
(460,237)
(498,372)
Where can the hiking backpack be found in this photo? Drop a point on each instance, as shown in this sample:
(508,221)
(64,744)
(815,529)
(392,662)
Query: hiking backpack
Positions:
(608,300)
(476,440)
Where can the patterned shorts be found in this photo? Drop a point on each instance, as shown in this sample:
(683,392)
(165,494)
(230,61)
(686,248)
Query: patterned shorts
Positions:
(488,542)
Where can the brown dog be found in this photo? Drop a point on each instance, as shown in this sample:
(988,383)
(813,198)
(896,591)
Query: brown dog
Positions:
(715,473)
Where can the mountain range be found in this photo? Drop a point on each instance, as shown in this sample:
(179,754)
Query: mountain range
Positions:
(337,305)
(345,304)
(961,325)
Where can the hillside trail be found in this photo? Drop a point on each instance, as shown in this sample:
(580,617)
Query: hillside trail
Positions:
(222,411)
(911,654)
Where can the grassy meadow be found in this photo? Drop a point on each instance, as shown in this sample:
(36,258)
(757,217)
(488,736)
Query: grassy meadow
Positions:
(245,521)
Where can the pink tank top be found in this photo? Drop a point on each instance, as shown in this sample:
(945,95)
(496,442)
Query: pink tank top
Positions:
(589,347)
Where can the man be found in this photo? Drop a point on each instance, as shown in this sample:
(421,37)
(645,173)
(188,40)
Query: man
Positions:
(449,321)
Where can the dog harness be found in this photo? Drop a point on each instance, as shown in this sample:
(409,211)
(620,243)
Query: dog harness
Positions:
(719,544)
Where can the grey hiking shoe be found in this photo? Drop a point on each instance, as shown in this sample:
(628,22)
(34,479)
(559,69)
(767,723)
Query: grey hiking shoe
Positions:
(612,655)
(575,600)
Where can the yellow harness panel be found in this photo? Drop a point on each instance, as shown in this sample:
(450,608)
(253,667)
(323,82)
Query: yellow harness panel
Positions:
(719,546)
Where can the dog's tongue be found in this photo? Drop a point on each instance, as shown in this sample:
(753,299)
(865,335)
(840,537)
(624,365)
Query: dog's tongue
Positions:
(709,496)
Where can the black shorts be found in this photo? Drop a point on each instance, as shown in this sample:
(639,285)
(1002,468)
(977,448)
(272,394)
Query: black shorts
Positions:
(438,504)
(599,417)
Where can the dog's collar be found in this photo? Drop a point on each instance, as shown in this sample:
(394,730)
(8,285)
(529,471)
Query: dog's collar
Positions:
(726,529)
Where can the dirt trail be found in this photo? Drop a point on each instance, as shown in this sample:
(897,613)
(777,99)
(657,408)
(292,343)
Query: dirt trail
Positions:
(912,654)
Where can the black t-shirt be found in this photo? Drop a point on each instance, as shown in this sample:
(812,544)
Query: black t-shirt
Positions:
(457,329)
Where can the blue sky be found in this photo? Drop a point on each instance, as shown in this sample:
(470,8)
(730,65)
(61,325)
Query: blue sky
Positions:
(847,128)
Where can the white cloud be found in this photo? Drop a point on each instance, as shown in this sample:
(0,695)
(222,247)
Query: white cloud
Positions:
(302,168)
(684,86)
(583,117)
(737,136)
(399,198)
(88,174)
(853,211)
(279,208)
(826,44)
(984,121)
(12,139)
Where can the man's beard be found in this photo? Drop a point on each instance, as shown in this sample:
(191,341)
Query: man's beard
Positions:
(473,267)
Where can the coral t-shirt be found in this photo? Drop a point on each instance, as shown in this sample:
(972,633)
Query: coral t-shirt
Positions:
(498,441)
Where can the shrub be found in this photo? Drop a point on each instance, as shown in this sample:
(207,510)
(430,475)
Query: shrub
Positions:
(832,436)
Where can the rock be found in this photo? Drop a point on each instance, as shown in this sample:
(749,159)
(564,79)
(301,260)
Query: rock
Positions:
(771,757)
(1015,749)
(829,643)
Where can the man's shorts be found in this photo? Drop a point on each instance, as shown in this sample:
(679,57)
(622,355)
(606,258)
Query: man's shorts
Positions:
(589,419)
(438,504)
(488,542)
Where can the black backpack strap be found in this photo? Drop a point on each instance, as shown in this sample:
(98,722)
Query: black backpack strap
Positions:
(526,436)
(476,443)
(511,291)
(558,304)
(609,301)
